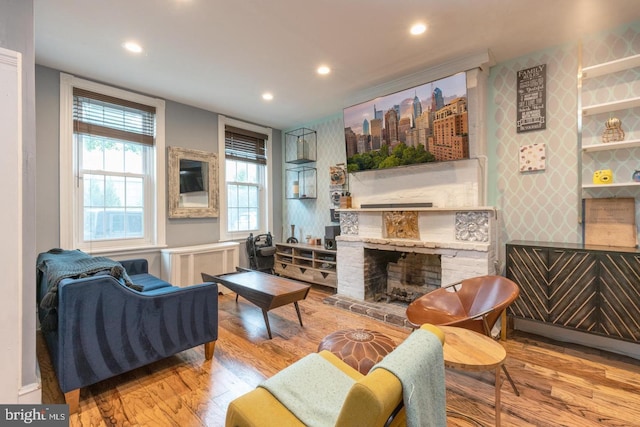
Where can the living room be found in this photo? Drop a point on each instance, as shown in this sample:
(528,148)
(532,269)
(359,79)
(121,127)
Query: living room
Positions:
(536,206)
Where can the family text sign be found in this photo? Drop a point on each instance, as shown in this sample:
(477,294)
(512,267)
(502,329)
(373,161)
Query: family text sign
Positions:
(532,84)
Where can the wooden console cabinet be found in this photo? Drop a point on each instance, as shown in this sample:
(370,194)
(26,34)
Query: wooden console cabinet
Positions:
(593,289)
(310,263)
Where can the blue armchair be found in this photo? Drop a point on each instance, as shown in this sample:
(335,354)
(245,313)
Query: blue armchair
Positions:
(107,323)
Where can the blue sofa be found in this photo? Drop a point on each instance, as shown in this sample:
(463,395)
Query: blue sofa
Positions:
(101,318)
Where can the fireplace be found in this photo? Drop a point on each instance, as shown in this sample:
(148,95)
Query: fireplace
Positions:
(399,276)
(452,243)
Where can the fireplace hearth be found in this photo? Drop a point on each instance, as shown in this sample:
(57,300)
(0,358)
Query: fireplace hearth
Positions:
(393,313)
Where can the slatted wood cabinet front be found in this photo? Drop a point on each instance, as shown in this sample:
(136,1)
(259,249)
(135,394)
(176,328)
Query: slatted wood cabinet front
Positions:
(588,288)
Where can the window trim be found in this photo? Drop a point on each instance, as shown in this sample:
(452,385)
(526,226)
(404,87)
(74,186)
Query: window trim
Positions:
(69,238)
(266,223)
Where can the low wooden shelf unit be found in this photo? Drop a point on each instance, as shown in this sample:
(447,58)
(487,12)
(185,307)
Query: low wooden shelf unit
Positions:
(310,263)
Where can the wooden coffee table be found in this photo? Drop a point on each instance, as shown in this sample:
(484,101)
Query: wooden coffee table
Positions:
(264,290)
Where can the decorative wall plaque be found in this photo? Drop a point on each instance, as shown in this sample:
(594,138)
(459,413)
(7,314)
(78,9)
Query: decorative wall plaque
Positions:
(349,223)
(401,225)
(472,226)
(533,157)
(532,102)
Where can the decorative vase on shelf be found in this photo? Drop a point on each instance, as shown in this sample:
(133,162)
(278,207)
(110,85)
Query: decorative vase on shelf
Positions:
(636,176)
(302,148)
(296,189)
(613,130)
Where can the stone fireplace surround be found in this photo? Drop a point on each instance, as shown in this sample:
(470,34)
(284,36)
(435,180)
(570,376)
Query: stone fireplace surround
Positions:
(464,239)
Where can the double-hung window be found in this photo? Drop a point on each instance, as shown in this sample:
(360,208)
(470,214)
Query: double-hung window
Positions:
(109,141)
(245,171)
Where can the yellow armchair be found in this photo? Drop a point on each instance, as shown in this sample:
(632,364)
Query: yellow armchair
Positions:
(371,401)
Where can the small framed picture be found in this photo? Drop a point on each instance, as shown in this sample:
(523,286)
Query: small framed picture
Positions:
(533,157)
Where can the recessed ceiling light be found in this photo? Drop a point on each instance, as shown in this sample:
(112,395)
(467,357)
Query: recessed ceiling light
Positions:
(323,69)
(132,47)
(418,29)
(267,96)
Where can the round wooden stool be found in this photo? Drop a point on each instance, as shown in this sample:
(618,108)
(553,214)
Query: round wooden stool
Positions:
(358,348)
(470,351)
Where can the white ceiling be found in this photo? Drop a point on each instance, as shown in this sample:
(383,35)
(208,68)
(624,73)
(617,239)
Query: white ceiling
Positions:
(221,55)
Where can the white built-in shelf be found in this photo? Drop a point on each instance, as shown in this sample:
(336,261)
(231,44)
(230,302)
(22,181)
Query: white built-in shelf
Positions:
(611,67)
(623,104)
(611,145)
(614,185)
(588,189)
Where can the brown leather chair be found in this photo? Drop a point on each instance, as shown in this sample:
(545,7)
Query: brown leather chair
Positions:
(475,304)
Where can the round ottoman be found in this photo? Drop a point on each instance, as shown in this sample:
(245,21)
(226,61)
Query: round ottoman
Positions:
(358,348)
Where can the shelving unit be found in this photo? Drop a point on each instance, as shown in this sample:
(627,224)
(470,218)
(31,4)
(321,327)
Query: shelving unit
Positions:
(300,146)
(614,185)
(301,183)
(598,80)
(611,146)
(608,107)
(300,149)
(310,263)
(611,67)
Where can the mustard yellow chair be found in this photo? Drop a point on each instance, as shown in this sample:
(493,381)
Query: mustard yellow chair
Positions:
(375,400)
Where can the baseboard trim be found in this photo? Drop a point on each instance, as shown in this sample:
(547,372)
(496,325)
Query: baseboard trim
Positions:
(576,337)
(30,394)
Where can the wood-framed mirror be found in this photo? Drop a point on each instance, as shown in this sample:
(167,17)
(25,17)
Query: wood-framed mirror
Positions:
(193,183)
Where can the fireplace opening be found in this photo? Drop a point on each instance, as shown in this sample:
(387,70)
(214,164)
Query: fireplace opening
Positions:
(400,277)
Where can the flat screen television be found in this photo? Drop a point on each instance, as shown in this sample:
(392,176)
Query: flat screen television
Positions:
(426,123)
(192,176)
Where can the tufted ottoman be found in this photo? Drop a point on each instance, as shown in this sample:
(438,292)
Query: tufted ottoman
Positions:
(358,348)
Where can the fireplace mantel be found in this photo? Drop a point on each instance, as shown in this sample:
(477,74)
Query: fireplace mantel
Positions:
(408,208)
(405,245)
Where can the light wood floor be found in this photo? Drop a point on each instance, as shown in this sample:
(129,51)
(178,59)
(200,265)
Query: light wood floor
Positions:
(560,385)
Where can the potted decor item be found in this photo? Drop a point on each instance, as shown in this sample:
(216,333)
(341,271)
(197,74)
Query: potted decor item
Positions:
(636,176)
(613,130)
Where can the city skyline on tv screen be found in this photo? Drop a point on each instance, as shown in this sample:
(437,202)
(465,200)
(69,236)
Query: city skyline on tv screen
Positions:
(422,124)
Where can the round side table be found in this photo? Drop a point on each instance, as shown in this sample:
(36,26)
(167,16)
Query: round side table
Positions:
(358,348)
(470,351)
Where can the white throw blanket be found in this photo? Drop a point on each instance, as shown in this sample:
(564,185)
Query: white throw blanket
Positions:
(312,389)
(419,365)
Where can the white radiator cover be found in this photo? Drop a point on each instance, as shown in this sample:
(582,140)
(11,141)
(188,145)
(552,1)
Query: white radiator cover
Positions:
(183,266)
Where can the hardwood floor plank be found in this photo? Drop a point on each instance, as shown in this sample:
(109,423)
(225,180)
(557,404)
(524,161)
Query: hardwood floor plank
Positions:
(560,384)
(592,409)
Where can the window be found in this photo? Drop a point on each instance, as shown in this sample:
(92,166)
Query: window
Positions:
(111,163)
(246,173)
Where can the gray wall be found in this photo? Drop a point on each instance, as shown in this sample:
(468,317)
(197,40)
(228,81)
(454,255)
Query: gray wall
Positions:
(194,128)
(185,126)
(47,183)
(16,33)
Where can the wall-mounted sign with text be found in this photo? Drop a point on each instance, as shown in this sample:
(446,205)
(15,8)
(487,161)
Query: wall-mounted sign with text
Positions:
(532,99)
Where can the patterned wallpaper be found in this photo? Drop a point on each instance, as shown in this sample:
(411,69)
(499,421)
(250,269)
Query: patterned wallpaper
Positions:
(310,216)
(545,205)
(541,205)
